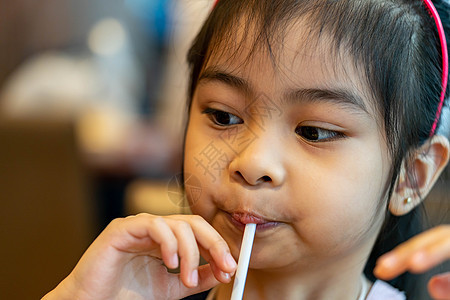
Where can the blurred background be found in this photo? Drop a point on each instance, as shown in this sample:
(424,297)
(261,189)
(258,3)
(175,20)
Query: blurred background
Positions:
(92,109)
(92,103)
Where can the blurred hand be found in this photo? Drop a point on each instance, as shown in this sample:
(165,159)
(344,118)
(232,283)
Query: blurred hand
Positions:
(126,260)
(417,255)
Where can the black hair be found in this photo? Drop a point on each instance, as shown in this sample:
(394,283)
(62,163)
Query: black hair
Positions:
(394,42)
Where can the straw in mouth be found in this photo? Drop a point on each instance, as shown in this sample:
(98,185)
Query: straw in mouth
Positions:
(244,259)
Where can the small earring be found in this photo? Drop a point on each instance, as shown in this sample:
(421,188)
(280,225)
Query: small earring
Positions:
(407,200)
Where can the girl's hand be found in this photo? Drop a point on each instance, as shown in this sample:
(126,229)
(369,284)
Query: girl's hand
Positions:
(126,260)
(417,255)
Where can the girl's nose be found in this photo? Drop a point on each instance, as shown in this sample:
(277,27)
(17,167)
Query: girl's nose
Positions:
(259,163)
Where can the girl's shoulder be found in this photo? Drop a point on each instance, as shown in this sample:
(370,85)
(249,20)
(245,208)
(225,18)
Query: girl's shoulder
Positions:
(382,290)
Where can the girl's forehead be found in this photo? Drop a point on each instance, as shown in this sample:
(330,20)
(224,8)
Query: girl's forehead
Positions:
(291,58)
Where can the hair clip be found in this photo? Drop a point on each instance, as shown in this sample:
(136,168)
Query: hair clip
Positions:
(434,14)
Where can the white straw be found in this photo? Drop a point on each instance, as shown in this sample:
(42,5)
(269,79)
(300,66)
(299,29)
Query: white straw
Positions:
(244,259)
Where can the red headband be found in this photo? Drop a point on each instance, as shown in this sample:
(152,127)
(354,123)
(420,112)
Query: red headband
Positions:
(444,50)
(434,14)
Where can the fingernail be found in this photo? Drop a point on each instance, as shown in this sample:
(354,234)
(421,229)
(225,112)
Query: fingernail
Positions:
(225,276)
(174,261)
(229,260)
(194,278)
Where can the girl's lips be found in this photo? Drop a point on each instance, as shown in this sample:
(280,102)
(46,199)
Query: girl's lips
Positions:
(240,219)
(246,218)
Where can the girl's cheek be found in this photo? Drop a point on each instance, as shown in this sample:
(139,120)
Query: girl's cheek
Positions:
(207,157)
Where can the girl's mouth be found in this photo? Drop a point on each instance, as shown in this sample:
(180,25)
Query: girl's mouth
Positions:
(240,219)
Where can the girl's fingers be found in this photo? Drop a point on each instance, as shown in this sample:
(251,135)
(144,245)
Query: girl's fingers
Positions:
(173,236)
(146,233)
(206,282)
(188,251)
(439,286)
(211,242)
(431,255)
(195,235)
(219,274)
(207,279)
(420,253)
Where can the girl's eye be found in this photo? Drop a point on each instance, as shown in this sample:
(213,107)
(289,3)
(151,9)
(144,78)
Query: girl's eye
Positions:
(222,118)
(315,134)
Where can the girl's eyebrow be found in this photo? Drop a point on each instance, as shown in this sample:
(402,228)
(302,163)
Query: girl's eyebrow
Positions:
(339,96)
(215,74)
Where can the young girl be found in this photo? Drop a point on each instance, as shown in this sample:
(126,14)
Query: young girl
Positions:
(316,120)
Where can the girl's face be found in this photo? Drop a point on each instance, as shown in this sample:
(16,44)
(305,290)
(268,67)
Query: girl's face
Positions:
(295,148)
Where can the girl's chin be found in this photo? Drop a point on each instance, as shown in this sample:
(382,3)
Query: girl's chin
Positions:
(271,259)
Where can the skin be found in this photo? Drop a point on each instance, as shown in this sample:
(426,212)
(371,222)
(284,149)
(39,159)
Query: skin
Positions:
(125,261)
(322,196)
(418,255)
(317,200)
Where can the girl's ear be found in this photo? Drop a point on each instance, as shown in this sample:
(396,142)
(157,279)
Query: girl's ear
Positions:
(417,178)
